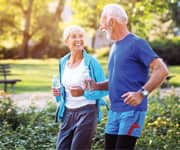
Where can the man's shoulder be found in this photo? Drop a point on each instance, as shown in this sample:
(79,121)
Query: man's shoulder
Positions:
(138,40)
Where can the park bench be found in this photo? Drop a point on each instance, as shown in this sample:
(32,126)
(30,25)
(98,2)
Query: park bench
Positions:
(5,71)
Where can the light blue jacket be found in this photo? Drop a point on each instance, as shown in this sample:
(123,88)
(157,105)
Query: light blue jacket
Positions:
(96,73)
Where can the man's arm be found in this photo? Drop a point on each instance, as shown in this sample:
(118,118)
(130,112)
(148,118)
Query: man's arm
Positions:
(102,85)
(92,85)
(158,75)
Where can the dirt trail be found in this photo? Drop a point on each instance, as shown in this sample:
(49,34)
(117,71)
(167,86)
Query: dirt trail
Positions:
(37,99)
(41,99)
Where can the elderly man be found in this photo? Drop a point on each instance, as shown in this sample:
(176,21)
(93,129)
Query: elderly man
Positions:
(129,82)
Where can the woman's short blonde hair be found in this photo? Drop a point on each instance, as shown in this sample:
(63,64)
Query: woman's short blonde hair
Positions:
(71,29)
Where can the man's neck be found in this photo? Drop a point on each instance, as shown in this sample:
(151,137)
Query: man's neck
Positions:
(121,33)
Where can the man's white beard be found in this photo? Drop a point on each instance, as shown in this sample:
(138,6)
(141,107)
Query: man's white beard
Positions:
(108,34)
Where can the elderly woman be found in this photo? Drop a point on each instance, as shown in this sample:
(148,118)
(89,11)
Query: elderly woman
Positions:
(78,109)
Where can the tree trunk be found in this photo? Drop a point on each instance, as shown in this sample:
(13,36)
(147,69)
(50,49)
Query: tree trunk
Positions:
(56,18)
(59,10)
(26,34)
(130,14)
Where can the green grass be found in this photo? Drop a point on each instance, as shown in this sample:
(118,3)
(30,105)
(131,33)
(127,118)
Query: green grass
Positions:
(36,74)
(175,70)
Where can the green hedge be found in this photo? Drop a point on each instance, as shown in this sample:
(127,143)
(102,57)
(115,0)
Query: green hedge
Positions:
(168,49)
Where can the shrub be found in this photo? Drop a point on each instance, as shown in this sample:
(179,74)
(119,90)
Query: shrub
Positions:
(168,49)
(162,124)
(8,53)
(27,130)
(8,113)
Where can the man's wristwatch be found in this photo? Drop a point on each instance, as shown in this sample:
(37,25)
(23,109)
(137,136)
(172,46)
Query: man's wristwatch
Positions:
(144,92)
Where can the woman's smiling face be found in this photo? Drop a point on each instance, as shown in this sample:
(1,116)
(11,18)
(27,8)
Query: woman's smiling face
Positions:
(75,40)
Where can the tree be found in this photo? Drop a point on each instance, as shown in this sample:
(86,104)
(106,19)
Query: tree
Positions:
(49,26)
(174,6)
(26,12)
(9,25)
(29,23)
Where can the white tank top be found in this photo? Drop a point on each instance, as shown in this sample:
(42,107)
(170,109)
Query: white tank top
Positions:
(75,77)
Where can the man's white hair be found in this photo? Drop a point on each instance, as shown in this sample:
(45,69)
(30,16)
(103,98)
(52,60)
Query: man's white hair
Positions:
(71,29)
(116,11)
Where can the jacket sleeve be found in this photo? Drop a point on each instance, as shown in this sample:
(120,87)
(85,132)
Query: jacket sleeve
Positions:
(62,89)
(60,99)
(97,74)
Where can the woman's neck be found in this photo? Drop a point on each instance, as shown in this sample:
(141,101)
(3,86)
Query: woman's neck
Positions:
(75,59)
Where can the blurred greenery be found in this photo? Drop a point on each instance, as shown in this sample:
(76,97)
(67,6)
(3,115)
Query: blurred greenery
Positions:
(27,25)
(168,49)
(33,28)
(35,74)
(175,70)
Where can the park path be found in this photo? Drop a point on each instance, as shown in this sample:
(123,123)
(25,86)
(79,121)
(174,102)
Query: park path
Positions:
(38,100)
(41,99)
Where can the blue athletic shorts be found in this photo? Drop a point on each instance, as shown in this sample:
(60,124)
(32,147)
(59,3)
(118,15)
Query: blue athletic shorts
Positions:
(125,123)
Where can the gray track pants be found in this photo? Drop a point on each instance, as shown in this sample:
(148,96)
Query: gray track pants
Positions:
(77,129)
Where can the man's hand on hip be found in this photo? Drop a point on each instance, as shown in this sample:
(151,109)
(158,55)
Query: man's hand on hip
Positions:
(132,98)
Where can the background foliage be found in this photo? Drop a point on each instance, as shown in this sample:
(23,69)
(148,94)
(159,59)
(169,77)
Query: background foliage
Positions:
(33,28)
(26,26)
(37,129)
(168,49)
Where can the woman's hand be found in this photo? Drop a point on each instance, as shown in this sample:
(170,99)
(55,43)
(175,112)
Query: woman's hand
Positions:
(56,91)
(76,91)
(89,85)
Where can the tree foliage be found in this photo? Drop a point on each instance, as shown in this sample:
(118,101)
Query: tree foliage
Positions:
(26,23)
(148,18)
(33,27)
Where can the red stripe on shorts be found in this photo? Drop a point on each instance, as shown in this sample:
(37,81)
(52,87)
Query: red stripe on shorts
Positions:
(135,125)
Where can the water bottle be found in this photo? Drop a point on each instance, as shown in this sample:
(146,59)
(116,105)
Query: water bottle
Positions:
(56,85)
(87,77)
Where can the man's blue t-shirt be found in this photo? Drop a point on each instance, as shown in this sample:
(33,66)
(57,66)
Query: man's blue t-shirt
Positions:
(128,69)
